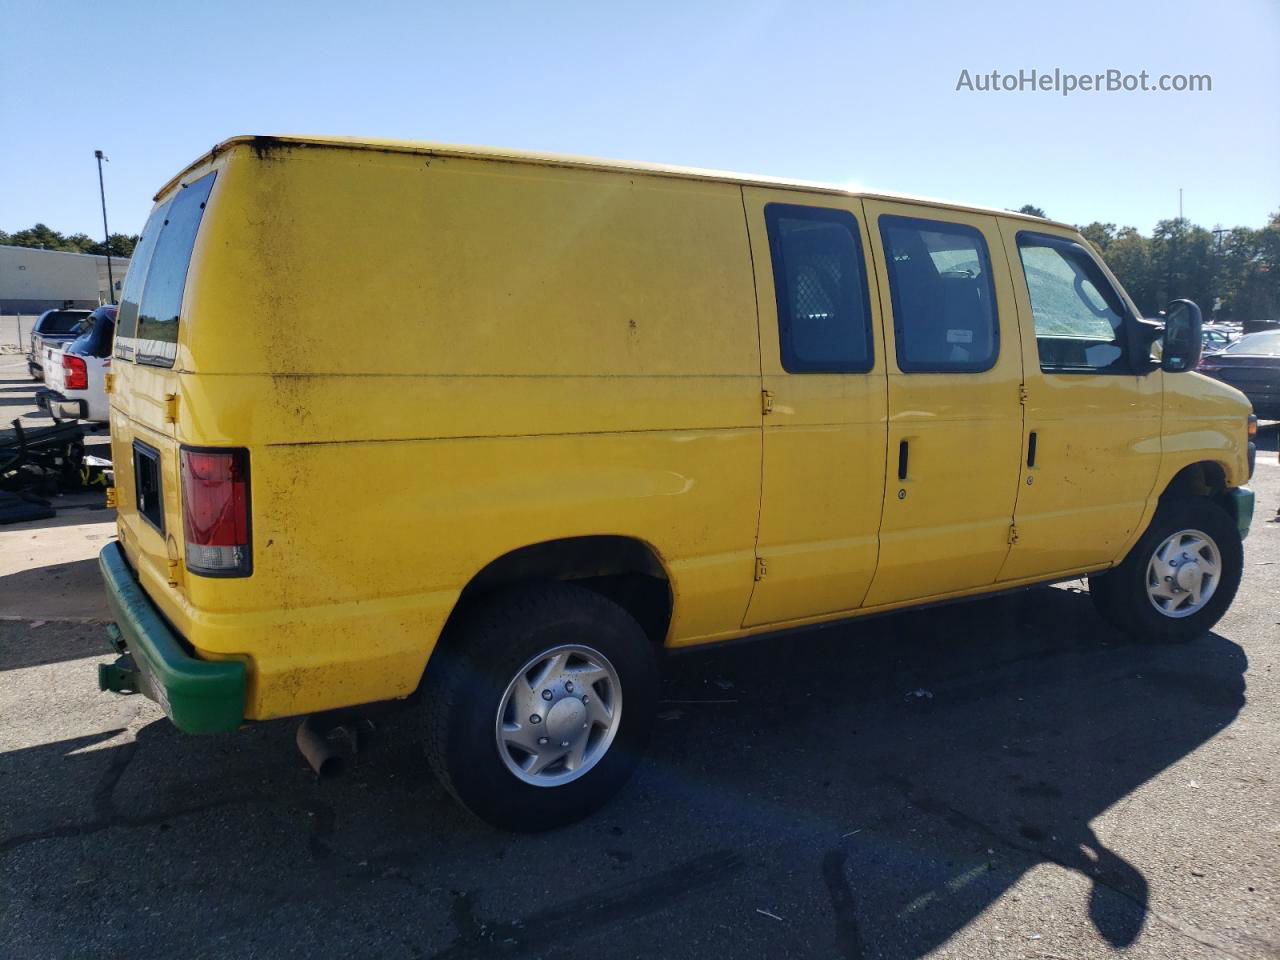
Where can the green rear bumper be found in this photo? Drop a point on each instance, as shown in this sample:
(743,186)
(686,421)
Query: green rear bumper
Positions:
(199,696)
(1239,503)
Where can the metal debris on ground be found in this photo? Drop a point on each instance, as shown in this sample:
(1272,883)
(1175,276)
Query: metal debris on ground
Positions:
(45,459)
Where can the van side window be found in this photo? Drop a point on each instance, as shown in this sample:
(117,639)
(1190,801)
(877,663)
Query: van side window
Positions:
(820,280)
(1078,315)
(944,301)
(157,338)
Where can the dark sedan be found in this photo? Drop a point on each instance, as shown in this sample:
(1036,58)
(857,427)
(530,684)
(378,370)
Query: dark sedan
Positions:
(1252,366)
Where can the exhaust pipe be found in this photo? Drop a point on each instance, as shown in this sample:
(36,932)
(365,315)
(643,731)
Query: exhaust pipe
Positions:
(321,752)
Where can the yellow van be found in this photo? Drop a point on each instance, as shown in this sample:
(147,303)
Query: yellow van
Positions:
(489,430)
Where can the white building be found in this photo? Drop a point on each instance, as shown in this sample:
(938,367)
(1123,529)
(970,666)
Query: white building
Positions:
(33,280)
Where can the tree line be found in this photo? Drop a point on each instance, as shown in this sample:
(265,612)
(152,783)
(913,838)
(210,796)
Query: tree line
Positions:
(42,237)
(1233,274)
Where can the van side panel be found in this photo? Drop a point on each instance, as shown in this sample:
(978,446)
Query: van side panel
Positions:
(436,361)
(1203,422)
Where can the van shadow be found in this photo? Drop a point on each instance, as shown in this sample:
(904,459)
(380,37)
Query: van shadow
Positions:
(876,787)
(968,745)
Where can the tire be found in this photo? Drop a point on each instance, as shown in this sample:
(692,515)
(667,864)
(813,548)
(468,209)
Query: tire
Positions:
(474,673)
(1121,594)
(35,372)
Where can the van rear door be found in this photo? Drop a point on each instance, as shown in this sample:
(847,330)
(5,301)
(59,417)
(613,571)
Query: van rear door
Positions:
(143,430)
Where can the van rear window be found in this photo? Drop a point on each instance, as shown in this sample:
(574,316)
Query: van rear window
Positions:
(135,280)
(166,275)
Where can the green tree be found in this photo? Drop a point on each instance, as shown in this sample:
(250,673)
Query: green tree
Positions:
(1129,257)
(1256,293)
(43,237)
(1099,234)
(1030,211)
(1182,261)
(121,245)
(78,243)
(39,236)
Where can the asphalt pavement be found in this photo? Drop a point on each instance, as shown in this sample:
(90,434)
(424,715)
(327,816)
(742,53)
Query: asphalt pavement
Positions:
(1003,778)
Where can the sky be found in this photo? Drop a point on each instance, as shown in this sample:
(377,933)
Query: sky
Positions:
(852,93)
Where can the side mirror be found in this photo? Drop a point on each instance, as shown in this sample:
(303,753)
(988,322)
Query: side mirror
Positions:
(1183,339)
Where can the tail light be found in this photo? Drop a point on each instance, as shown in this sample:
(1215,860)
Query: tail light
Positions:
(1252,428)
(75,373)
(215,512)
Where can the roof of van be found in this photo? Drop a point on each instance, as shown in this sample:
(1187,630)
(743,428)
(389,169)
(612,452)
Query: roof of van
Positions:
(270,143)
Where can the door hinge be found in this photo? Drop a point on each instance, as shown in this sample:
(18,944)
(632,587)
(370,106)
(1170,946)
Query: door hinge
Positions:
(766,402)
(109,382)
(762,568)
(1022,394)
(170,408)
(1013,534)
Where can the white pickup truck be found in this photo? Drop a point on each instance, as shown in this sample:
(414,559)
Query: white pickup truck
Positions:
(75,373)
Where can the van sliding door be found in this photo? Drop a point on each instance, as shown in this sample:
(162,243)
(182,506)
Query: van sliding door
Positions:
(955,417)
(822,366)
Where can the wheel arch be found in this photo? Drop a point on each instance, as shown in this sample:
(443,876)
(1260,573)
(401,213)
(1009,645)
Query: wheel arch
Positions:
(1203,478)
(1197,478)
(625,569)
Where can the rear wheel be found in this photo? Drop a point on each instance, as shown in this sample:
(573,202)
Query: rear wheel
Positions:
(1179,578)
(538,706)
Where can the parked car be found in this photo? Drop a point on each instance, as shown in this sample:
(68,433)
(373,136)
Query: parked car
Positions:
(1251,365)
(53,327)
(615,409)
(1215,339)
(75,373)
(1259,326)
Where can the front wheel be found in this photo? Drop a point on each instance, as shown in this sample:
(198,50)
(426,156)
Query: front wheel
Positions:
(1179,578)
(538,706)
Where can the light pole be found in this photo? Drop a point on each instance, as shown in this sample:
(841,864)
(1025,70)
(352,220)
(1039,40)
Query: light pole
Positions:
(106,234)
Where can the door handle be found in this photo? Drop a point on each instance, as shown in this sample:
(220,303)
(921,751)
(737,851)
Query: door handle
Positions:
(902,460)
(1031,449)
